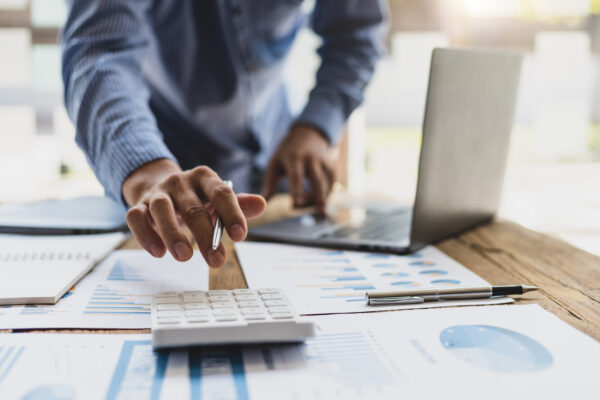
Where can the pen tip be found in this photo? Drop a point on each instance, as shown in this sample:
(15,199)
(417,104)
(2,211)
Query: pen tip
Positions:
(529,288)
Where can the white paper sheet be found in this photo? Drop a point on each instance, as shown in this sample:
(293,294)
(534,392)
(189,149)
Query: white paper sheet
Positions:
(470,353)
(42,268)
(321,281)
(115,294)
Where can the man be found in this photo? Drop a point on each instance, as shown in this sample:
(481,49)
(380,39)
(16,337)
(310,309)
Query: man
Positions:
(168,96)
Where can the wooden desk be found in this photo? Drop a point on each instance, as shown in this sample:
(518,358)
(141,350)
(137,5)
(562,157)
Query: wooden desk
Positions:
(501,253)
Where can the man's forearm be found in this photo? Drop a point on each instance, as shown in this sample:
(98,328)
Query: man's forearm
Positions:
(105,93)
(352,42)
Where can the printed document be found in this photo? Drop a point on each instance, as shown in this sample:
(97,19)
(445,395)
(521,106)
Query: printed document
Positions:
(40,269)
(491,352)
(116,294)
(322,281)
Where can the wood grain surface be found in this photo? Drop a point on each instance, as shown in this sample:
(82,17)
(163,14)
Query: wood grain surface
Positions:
(501,252)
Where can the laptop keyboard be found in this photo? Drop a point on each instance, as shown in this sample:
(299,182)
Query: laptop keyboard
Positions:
(391,226)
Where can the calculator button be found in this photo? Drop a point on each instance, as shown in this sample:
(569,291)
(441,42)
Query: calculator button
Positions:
(279,310)
(223,305)
(195,293)
(218,292)
(200,300)
(271,303)
(226,317)
(271,297)
(246,311)
(195,298)
(167,300)
(246,304)
(167,307)
(224,311)
(243,297)
(242,291)
(168,321)
(197,313)
(168,314)
(195,320)
(219,298)
(282,316)
(254,317)
(195,306)
(268,291)
(166,294)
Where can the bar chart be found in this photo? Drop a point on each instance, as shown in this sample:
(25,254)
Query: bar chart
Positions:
(107,300)
(321,281)
(116,293)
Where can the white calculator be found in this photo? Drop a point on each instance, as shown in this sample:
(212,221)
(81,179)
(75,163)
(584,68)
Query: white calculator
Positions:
(212,317)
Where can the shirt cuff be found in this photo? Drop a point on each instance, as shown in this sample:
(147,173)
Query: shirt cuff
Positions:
(325,112)
(124,155)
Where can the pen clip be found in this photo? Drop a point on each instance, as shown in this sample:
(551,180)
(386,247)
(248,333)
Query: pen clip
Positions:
(380,301)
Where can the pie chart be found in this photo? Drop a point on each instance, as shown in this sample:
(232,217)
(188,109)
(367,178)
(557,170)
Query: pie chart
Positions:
(496,349)
(51,392)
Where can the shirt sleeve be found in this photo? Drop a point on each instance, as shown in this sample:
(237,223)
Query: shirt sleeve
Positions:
(103,45)
(352,32)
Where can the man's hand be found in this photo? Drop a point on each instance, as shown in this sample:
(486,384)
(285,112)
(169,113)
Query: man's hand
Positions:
(161,195)
(303,153)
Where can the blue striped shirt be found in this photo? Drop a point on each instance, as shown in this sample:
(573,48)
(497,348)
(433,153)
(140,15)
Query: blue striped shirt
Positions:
(200,81)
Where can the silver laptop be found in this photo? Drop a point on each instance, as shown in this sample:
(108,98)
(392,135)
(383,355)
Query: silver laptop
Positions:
(466,134)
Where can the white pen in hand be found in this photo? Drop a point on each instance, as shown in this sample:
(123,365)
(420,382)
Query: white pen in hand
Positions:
(218,232)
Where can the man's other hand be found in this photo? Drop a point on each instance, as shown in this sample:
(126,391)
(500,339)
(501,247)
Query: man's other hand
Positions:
(162,197)
(304,153)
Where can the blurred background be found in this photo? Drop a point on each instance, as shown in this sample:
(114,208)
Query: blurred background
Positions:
(553,178)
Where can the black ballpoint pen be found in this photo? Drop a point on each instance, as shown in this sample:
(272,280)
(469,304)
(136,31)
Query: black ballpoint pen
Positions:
(416,296)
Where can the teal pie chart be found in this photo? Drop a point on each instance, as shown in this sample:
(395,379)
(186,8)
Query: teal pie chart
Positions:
(496,349)
(51,392)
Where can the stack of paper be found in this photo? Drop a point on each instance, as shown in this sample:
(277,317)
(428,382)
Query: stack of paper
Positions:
(116,294)
(40,269)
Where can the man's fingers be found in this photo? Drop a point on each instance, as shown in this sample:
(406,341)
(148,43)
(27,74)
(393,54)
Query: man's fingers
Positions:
(252,205)
(163,213)
(319,183)
(197,217)
(295,174)
(226,204)
(139,222)
(271,180)
(218,255)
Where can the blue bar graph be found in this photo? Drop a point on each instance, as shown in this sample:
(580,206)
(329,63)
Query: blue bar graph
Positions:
(405,283)
(123,272)
(105,300)
(8,357)
(225,362)
(445,282)
(386,265)
(34,309)
(353,287)
(421,263)
(139,372)
(348,278)
(395,274)
(434,272)
(350,359)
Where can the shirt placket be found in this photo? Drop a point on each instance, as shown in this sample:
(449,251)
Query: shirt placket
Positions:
(240,29)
